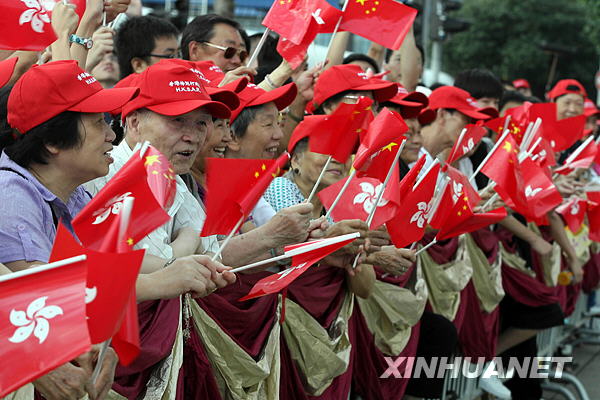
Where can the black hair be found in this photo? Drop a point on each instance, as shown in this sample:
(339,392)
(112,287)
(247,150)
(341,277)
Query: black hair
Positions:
(511,96)
(436,85)
(137,36)
(300,147)
(61,131)
(336,98)
(268,59)
(201,29)
(240,125)
(479,83)
(362,57)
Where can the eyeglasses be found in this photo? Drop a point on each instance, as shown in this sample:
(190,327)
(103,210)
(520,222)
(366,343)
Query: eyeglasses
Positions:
(170,56)
(230,52)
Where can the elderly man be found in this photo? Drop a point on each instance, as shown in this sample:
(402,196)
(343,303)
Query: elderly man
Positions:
(175,119)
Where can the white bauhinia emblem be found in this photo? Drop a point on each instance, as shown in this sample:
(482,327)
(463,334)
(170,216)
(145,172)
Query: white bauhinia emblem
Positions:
(363,75)
(317,16)
(421,215)
(531,192)
(457,189)
(35,14)
(34,320)
(469,146)
(113,206)
(368,196)
(90,294)
(575,209)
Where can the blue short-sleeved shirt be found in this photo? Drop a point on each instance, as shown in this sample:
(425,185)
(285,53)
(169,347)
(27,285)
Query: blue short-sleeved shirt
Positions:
(27,221)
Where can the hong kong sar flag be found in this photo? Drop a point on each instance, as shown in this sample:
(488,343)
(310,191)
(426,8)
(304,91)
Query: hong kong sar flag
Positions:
(42,321)
(25,24)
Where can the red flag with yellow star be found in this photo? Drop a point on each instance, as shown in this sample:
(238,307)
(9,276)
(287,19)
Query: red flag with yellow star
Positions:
(385,132)
(94,221)
(503,168)
(385,22)
(161,177)
(110,287)
(233,187)
(463,220)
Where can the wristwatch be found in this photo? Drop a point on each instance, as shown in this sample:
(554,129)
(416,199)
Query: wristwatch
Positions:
(85,42)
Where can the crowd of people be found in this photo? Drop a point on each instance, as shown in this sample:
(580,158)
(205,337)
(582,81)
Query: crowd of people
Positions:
(72,117)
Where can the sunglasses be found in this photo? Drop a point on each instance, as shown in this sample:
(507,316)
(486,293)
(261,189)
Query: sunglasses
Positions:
(230,52)
(169,56)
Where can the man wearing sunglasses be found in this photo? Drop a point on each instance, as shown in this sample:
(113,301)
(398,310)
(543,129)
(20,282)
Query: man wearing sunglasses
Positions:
(215,38)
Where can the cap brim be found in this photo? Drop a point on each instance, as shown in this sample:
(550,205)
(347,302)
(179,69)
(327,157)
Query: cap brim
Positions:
(7,67)
(216,109)
(381,91)
(225,96)
(236,86)
(490,112)
(427,116)
(473,114)
(282,97)
(106,100)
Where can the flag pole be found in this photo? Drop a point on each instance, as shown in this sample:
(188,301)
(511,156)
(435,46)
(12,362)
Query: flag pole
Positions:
(101,356)
(298,251)
(224,242)
(318,182)
(44,267)
(125,218)
(335,30)
(489,202)
(506,123)
(259,46)
(339,195)
(458,143)
(434,241)
(496,145)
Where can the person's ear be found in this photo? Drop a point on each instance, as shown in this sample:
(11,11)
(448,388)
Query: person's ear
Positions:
(139,65)
(133,122)
(195,51)
(295,161)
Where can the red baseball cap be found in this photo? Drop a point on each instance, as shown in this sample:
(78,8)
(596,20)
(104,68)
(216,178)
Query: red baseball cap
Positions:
(252,95)
(169,88)
(45,91)
(412,102)
(301,131)
(566,86)
(426,116)
(521,83)
(341,78)
(455,98)
(7,67)
(590,109)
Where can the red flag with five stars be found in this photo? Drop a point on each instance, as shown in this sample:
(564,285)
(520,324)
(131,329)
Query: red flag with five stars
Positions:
(385,22)
(161,177)
(462,219)
(233,187)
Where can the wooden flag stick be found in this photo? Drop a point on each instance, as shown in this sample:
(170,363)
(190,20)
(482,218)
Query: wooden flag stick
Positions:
(224,242)
(340,194)
(318,182)
(496,145)
(259,46)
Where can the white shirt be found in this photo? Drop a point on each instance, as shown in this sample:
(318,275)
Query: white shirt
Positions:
(186,211)
(262,212)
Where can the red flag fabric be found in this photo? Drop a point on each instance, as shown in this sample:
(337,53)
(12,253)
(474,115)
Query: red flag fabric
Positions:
(561,134)
(161,177)
(573,213)
(380,163)
(233,187)
(111,279)
(25,24)
(385,22)
(359,199)
(300,263)
(473,135)
(593,214)
(43,322)
(323,20)
(93,221)
(541,195)
(409,223)
(463,220)
(339,139)
(387,129)
(408,181)
(503,168)
(582,157)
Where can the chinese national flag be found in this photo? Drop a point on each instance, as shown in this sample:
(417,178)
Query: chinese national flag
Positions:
(582,157)
(109,289)
(25,24)
(43,322)
(473,135)
(93,221)
(381,162)
(561,134)
(233,187)
(385,22)
(463,220)
(161,177)
(300,263)
(322,20)
(503,168)
(593,214)
(384,132)
(573,213)
(359,199)
(409,223)
(338,132)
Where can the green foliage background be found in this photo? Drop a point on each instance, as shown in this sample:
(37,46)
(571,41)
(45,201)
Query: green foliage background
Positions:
(505,36)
